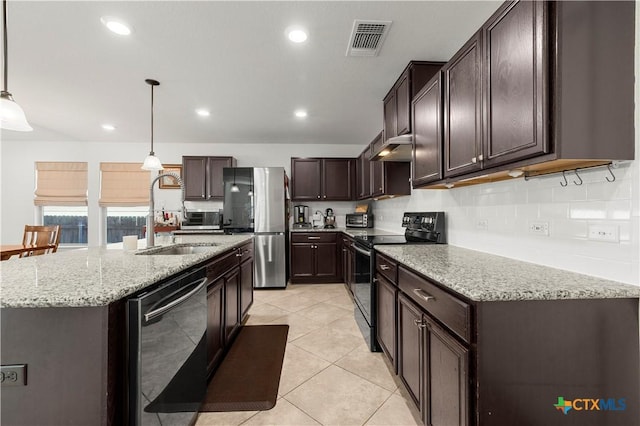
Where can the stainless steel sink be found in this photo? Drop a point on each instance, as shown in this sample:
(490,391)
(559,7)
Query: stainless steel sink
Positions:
(180,249)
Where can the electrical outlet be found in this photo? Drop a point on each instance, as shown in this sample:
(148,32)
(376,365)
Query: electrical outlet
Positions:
(539,228)
(606,233)
(482,224)
(13,375)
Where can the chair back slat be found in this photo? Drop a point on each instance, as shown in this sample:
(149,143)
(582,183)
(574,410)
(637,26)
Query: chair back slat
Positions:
(47,237)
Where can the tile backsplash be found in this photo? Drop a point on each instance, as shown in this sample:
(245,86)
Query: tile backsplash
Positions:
(498,218)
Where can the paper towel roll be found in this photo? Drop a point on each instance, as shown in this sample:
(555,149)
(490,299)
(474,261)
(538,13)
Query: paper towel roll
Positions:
(130,242)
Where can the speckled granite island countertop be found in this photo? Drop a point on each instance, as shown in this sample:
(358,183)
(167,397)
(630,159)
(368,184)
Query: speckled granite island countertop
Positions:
(485,277)
(94,277)
(353,232)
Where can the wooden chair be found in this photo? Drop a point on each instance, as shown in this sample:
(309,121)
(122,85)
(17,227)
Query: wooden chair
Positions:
(44,239)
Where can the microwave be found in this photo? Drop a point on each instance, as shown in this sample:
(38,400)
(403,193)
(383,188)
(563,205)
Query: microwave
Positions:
(359,220)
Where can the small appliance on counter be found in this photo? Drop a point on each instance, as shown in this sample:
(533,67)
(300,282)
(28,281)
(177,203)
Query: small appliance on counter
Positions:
(318,219)
(362,218)
(202,220)
(329,219)
(301,217)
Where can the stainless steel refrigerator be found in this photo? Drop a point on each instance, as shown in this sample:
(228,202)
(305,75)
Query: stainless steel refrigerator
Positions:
(255,202)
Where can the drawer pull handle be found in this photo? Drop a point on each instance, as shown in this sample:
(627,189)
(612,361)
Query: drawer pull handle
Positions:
(313,238)
(384,267)
(421,293)
(420,323)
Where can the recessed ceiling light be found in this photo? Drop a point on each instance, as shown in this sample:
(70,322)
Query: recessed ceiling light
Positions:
(116,25)
(300,113)
(296,34)
(203,112)
(109,127)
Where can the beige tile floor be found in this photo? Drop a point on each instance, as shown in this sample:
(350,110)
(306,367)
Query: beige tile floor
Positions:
(329,377)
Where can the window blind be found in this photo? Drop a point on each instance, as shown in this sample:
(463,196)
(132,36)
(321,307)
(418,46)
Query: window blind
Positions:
(61,183)
(123,184)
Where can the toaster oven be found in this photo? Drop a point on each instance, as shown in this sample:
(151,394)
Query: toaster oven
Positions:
(359,220)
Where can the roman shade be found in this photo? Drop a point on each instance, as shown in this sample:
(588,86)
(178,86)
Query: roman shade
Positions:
(123,184)
(61,183)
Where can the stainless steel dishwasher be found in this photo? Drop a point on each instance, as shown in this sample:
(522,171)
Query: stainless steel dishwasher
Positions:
(167,351)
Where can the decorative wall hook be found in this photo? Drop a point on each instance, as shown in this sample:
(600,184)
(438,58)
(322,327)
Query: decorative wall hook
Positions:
(578,176)
(612,175)
(565,183)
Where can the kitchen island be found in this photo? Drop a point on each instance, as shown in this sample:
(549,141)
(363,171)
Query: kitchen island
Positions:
(479,339)
(63,316)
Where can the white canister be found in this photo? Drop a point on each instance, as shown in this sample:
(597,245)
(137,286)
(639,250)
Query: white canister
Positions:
(130,242)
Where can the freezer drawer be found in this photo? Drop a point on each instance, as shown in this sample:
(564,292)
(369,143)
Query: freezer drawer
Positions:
(269,261)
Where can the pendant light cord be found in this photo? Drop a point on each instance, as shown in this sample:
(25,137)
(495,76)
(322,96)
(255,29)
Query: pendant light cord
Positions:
(152,153)
(4,32)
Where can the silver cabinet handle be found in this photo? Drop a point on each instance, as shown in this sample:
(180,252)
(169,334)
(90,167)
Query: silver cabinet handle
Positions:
(384,267)
(313,238)
(480,157)
(238,254)
(318,196)
(163,309)
(474,160)
(421,293)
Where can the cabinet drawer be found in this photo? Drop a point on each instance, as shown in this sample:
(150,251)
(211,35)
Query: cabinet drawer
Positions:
(448,309)
(313,237)
(387,267)
(246,251)
(222,264)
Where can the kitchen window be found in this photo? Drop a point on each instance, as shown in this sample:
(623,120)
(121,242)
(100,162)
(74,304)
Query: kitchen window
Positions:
(123,221)
(61,199)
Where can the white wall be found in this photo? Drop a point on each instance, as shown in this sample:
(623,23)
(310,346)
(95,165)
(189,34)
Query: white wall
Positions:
(18,176)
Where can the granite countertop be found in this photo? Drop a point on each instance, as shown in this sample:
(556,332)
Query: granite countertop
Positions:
(94,276)
(353,232)
(485,277)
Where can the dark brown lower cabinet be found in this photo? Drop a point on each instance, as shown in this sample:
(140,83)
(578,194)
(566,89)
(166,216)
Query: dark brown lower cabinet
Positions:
(246,285)
(386,295)
(215,324)
(314,257)
(231,304)
(433,365)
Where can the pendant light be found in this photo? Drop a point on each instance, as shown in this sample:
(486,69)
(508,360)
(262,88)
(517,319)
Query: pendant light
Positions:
(152,162)
(234,187)
(11,115)
(250,194)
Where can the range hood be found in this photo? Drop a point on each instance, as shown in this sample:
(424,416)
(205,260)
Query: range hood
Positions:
(394,149)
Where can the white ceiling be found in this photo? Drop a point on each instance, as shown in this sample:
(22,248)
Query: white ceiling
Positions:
(71,75)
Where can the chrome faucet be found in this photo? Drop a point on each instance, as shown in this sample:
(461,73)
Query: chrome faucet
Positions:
(150,218)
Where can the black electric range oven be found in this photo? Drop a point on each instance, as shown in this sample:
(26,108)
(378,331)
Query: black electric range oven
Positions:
(420,228)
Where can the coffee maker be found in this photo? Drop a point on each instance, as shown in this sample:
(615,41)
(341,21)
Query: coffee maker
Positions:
(301,216)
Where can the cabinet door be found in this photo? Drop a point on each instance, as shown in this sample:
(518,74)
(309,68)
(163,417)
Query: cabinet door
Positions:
(231,304)
(194,175)
(306,178)
(403,106)
(390,114)
(386,294)
(302,260)
(427,134)
(246,285)
(514,42)
(463,110)
(410,349)
(447,376)
(364,176)
(215,324)
(215,189)
(338,176)
(377,178)
(326,261)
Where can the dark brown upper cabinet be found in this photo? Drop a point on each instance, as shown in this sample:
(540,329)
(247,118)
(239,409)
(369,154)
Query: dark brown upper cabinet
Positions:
(385,178)
(323,179)
(463,109)
(363,178)
(534,90)
(514,42)
(427,133)
(397,103)
(202,177)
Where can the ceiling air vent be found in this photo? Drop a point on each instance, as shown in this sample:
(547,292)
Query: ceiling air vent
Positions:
(367,37)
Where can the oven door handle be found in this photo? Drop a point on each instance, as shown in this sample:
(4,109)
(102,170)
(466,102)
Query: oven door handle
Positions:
(175,302)
(361,251)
